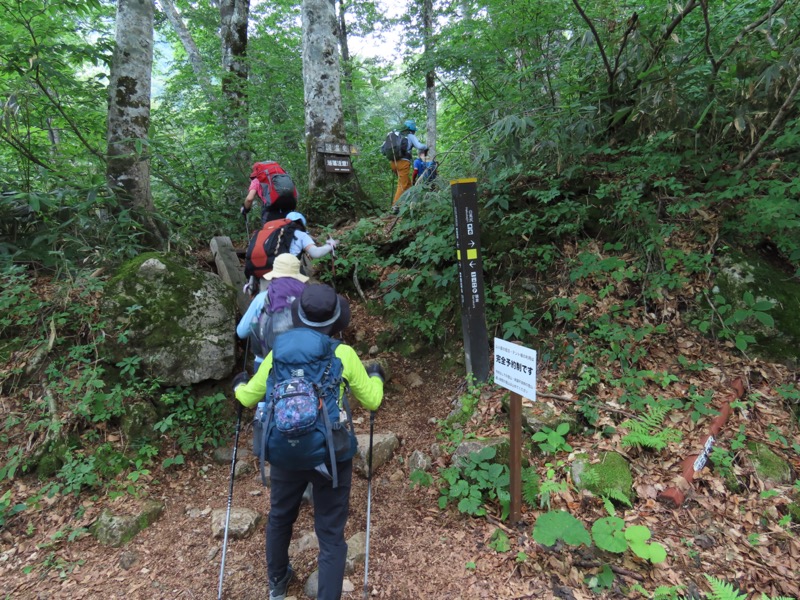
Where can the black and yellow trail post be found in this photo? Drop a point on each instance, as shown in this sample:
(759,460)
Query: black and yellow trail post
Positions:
(470,268)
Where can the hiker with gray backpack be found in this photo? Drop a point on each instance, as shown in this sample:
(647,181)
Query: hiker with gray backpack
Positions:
(397,149)
(304,428)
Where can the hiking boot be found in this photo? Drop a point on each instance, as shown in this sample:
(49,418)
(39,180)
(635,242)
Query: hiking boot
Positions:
(277,589)
(395,209)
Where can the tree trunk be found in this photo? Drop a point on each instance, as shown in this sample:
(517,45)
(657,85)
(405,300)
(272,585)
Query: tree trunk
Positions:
(430,79)
(187,41)
(347,67)
(128,170)
(234,15)
(323,99)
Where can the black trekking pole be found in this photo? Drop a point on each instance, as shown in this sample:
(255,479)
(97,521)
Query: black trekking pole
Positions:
(246,227)
(369,502)
(230,489)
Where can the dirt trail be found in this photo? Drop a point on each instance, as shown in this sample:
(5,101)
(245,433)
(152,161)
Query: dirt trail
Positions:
(415,550)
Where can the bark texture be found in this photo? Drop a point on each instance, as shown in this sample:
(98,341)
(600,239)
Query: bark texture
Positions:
(233,35)
(323,100)
(347,67)
(430,79)
(128,170)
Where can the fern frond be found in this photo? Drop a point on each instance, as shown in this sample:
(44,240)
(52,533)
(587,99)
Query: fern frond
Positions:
(722,590)
(617,495)
(649,421)
(530,486)
(648,431)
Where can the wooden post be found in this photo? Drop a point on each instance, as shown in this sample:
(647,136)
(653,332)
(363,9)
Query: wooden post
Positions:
(515,457)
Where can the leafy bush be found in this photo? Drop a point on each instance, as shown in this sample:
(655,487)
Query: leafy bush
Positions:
(194,422)
(476,482)
(608,533)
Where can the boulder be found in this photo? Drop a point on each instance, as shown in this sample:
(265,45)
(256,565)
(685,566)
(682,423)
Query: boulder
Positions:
(500,444)
(179,321)
(383,447)
(243,522)
(769,467)
(115,530)
(609,475)
(742,274)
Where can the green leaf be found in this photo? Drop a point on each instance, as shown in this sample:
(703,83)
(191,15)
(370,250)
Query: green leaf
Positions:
(499,541)
(741,341)
(560,525)
(608,534)
(763,305)
(765,319)
(658,553)
(636,534)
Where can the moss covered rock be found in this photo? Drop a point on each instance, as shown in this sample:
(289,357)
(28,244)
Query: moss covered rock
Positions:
(609,476)
(465,448)
(137,422)
(179,321)
(741,273)
(536,415)
(50,461)
(769,467)
(116,530)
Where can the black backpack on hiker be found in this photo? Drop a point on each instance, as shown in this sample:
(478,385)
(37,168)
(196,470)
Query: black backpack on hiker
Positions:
(395,146)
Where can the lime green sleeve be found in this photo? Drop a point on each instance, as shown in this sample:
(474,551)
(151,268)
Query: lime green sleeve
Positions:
(367,390)
(252,392)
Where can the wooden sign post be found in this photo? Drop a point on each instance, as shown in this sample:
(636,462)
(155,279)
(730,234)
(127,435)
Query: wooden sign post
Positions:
(515,370)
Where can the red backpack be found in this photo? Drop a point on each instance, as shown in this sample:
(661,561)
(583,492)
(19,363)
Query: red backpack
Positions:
(269,241)
(277,188)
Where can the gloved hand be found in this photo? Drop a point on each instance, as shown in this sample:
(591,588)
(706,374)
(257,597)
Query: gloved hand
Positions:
(239,379)
(332,243)
(244,210)
(374,369)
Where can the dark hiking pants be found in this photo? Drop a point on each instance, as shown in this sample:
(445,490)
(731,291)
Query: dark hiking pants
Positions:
(331,507)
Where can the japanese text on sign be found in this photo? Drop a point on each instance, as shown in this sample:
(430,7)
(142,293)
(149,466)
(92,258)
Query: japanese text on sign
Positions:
(338,165)
(336,148)
(515,368)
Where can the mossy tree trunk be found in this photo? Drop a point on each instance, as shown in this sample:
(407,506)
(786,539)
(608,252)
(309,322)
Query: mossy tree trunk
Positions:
(323,99)
(128,168)
(234,15)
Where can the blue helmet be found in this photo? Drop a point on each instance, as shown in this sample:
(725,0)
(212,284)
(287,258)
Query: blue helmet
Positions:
(410,125)
(296,216)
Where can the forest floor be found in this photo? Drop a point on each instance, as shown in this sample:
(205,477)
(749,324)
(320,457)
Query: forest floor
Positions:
(420,551)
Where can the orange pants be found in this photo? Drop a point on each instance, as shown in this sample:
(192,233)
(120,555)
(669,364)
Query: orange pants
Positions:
(403,170)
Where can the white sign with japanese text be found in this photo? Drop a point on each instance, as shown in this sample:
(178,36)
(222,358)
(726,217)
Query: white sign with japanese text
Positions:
(515,368)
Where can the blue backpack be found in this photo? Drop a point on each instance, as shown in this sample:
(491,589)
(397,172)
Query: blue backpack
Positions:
(299,425)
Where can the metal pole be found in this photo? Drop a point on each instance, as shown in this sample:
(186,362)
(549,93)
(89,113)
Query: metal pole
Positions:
(369,502)
(230,489)
(230,501)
